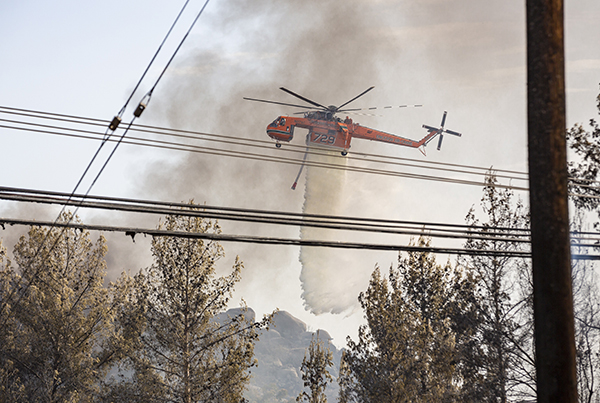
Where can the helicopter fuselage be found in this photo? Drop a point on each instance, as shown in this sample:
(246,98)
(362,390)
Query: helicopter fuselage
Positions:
(325,130)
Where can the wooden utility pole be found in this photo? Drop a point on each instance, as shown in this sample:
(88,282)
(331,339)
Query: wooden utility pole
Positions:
(552,289)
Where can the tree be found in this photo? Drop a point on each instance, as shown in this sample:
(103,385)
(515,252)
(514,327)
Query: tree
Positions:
(584,172)
(587,330)
(504,293)
(314,371)
(57,316)
(407,351)
(11,386)
(584,194)
(345,381)
(184,350)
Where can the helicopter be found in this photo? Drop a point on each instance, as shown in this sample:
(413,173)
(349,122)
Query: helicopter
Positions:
(328,131)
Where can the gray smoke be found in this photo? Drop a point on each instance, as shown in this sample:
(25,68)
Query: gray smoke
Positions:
(446,54)
(328,51)
(320,49)
(467,57)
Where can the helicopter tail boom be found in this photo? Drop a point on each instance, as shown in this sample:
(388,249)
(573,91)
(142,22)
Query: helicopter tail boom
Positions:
(366,133)
(376,135)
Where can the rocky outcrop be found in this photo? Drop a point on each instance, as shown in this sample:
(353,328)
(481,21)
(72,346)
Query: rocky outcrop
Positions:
(280,351)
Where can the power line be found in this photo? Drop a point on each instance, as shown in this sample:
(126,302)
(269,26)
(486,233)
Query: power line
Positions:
(261,157)
(396,227)
(287,221)
(360,157)
(111,127)
(120,114)
(133,231)
(149,94)
(362,220)
(178,146)
(262,144)
(190,134)
(162,144)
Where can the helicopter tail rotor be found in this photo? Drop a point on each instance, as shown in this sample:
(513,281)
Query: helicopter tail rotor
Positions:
(441,130)
(439,147)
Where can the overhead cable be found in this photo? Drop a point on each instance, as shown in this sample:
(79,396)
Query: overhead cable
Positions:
(260,157)
(183,206)
(358,156)
(264,144)
(396,227)
(117,119)
(287,221)
(131,231)
(111,127)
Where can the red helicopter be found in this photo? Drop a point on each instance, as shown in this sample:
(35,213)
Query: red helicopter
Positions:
(327,130)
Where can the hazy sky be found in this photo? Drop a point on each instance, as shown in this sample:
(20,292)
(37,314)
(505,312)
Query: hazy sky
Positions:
(466,57)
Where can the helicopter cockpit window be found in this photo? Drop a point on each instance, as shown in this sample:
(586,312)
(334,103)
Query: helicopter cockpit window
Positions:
(278,122)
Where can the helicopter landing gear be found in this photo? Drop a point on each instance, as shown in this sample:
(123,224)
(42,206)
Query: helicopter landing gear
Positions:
(344,153)
(278,145)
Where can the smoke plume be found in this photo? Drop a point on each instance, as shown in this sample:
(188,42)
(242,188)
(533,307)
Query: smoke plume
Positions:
(316,48)
(328,51)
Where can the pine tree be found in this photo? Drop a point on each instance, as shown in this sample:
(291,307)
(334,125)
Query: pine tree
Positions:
(584,172)
(584,194)
(345,381)
(184,349)
(315,375)
(11,386)
(504,324)
(407,351)
(57,317)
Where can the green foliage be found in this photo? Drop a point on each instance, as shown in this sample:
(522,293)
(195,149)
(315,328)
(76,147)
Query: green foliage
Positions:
(57,317)
(502,365)
(449,334)
(11,386)
(176,342)
(345,381)
(408,351)
(586,294)
(584,172)
(314,371)
(587,330)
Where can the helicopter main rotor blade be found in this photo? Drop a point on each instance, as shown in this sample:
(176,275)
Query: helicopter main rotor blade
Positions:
(356,97)
(303,98)
(380,107)
(280,103)
(362,113)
